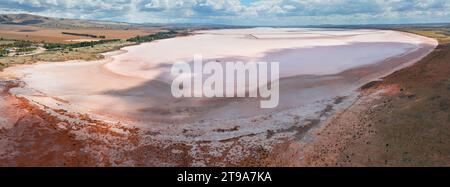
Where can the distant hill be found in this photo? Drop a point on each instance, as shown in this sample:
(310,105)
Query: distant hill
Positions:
(61,23)
(22,19)
(41,21)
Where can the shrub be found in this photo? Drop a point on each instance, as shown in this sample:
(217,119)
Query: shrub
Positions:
(22,44)
(80,34)
(54,46)
(447,83)
(3,52)
(444,105)
(152,37)
(26,49)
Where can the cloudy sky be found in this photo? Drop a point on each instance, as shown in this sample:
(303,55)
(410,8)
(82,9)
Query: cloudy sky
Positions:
(240,12)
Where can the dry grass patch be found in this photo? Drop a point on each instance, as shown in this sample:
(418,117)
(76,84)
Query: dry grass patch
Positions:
(441,34)
(84,53)
(410,131)
(39,34)
(447,83)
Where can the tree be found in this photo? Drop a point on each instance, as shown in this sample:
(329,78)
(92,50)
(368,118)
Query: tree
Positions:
(3,52)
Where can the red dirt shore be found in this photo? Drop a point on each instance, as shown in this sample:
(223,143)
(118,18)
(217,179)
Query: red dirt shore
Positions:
(375,131)
(403,120)
(30,136)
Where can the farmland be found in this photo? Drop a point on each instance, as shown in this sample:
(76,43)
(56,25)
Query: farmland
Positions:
(39,34)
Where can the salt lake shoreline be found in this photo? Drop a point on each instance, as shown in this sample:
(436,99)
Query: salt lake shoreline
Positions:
(225,133)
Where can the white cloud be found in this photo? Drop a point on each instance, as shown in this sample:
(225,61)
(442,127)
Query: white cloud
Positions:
(235,11)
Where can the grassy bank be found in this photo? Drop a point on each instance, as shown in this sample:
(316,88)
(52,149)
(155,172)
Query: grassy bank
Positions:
(58,52)
(82,53)
(441,34)
(412,126)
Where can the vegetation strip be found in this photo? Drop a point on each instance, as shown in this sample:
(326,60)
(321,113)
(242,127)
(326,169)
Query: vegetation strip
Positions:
(152,37)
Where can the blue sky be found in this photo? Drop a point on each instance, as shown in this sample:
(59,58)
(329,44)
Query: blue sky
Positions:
(240,12)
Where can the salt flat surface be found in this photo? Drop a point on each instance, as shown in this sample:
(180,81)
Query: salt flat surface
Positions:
(321,71)
(133,85)
(312,51)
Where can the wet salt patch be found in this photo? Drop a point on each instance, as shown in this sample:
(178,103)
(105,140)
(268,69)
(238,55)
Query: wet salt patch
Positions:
(24,91)
(198,163)
(279,121)
(176,151)
(118,131)
(196,154)
(237,152)
(62,126)
(218,148)
(44,102)
(4,123)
